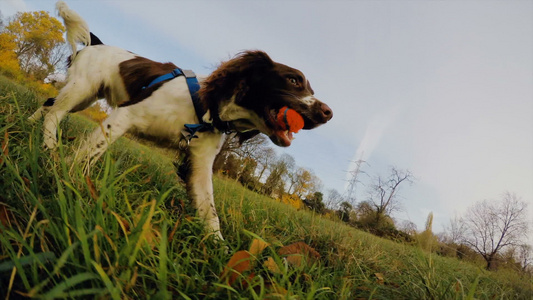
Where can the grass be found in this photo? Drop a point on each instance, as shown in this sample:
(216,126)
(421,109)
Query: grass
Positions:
(128,231)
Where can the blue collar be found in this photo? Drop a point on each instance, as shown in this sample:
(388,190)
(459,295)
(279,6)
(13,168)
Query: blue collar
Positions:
(194,86)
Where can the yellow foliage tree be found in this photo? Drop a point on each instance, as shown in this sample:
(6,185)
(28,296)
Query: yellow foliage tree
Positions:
(38,39)
(292,200)
(10,64)
(95,112)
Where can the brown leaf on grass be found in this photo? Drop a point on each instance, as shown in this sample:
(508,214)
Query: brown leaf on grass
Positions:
(278,292)
(147,180)
(5,216)
(239,263)
(5,149)
(298,252)
(27,182)
(258,246)
(271,265)
(173,232)
(379,277)
(92,189)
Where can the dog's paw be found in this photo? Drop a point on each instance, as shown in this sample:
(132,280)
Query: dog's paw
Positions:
(49,144)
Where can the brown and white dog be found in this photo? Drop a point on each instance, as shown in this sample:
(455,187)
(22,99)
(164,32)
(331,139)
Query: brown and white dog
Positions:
(243,94)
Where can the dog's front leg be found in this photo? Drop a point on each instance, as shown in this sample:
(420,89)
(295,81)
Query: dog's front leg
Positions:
(118,122)
(200,180)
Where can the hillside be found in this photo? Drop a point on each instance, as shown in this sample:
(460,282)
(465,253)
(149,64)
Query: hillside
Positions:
(128,231)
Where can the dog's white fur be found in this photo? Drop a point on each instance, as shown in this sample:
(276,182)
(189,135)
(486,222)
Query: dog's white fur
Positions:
(162,114)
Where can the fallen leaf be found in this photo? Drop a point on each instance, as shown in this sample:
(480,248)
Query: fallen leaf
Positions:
(278,291)
(239,263)
(258,246)
(4,216)
(92,189)
(173,232)
(298,252)
(271,265)
(380,278)
(5,149)
(27,182)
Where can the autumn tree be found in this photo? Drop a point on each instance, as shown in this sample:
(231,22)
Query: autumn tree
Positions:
(275,182)
(38,42)
(302,182)
(494,225)
(10,65)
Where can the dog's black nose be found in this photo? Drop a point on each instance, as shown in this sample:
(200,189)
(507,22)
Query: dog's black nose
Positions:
(327,113)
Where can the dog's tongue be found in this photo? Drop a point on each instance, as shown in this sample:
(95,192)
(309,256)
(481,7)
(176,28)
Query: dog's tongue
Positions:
(285,137)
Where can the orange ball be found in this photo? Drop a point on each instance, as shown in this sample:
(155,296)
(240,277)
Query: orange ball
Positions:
(289,119)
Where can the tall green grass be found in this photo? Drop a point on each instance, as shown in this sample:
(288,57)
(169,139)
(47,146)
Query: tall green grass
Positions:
(128,231)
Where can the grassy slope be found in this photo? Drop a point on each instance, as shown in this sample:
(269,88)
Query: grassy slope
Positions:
(128,231)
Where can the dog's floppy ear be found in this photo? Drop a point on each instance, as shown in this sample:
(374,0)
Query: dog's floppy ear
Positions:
(233,77)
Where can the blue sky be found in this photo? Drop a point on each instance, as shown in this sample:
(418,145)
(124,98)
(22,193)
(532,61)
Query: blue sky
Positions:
(442,88)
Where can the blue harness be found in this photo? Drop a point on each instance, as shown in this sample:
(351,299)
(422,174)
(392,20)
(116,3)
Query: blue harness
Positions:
(192,82)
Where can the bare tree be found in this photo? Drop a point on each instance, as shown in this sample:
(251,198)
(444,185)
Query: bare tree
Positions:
(408,227)
(265,157)
(494,225)
(456,231)
(525,256)
(333,198)
(383,193)
(251,148)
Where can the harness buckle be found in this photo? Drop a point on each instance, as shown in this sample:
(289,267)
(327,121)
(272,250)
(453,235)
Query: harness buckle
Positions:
(188,73)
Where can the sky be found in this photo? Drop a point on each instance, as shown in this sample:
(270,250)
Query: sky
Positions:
(441,88)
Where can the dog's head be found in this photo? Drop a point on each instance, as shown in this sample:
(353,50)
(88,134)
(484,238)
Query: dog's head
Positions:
(249,90)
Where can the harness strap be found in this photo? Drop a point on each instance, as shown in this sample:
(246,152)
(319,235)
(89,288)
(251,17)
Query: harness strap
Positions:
(192,82)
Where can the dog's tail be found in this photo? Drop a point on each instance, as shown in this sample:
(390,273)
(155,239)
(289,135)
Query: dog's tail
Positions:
(77,28)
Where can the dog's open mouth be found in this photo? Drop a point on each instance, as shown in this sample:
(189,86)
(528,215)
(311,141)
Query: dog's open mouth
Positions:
(286,122)
(284,138)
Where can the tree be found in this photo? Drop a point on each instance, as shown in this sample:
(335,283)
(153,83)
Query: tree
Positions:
(265,157)
(38,38)
(456,231)
(275,183)
(10,64)
(525,256)
(494,225)
(384,192)
(303,182)
(334,198)
(315,202)
(249,149)
(344,211)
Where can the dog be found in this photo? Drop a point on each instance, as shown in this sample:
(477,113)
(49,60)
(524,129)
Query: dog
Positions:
(243,95)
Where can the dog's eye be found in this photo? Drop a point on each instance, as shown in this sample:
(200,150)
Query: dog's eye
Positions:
(293,81)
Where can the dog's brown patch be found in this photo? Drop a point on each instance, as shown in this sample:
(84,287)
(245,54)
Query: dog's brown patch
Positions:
(138,73)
